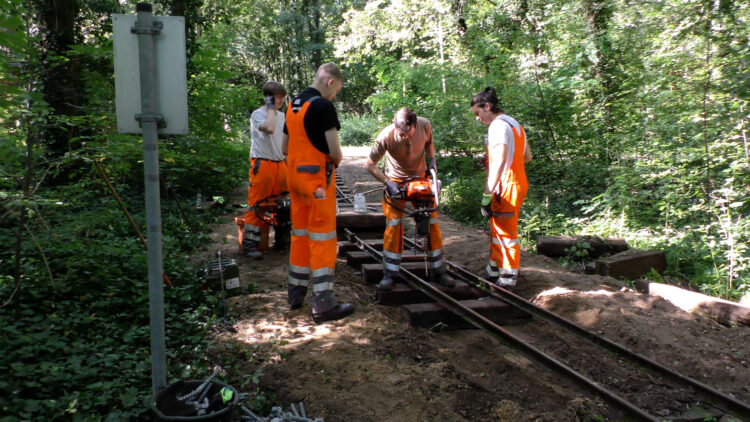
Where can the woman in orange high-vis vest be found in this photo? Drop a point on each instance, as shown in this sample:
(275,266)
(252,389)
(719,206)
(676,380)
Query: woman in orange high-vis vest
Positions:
(313,152)
(507,152)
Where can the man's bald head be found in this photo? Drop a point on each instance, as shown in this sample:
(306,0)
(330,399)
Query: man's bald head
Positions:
(327,71)
(328,80)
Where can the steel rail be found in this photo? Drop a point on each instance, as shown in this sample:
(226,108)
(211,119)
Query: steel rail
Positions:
(497,331)
(341,196)
(728,404)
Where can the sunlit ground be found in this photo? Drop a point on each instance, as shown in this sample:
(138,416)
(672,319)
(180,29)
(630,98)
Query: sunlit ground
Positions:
(296,327)
(353,151)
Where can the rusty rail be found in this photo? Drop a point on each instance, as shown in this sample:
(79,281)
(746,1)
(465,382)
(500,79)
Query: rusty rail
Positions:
(506,337)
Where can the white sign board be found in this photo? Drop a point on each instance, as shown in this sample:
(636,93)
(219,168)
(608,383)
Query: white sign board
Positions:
(171,79)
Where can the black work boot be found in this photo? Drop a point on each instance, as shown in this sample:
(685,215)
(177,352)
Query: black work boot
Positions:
(386,283)
(445,280)
(507,280)
(295,296)
(339,311)
(486,275)
(252,252)
(250,248)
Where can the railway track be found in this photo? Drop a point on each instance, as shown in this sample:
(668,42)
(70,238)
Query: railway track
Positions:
(634,386)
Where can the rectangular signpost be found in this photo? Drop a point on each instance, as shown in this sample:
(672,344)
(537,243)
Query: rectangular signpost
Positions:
(170,81)
(151,99)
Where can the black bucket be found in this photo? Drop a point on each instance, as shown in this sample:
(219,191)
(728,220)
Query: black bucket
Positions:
(166,407)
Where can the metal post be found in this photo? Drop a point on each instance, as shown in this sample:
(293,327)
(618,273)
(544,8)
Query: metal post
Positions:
(146,30)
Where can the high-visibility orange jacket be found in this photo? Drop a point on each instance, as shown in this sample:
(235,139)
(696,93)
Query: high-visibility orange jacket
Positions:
(312,191)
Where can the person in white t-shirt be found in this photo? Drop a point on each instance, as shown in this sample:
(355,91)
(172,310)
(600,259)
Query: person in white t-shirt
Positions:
(506,188)
(268,170)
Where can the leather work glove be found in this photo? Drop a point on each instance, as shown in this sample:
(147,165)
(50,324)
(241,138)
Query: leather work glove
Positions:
(392,189)
(269,101)
(486,207)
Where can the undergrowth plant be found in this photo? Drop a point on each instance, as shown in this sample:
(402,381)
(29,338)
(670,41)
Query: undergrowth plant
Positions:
(76,338)
(360,129)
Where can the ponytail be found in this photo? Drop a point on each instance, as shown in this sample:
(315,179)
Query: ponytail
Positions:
(488,96)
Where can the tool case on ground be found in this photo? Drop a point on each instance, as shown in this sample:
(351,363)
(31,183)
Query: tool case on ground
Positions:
(231,275)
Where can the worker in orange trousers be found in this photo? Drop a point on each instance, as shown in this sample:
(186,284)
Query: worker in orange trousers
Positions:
(506,188)
(268,170)
(313,152)
(409,149)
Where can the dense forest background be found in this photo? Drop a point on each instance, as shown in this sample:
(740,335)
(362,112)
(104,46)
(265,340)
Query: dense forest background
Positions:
(637,113)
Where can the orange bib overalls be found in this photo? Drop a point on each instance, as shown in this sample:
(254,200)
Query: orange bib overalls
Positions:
(393,239)
(267,177)
(505,252)
(314,245)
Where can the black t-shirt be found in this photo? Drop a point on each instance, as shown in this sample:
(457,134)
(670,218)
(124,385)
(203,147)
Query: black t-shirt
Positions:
(320,117)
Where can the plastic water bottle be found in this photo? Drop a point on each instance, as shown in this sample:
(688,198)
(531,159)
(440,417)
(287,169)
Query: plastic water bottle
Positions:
(359,202)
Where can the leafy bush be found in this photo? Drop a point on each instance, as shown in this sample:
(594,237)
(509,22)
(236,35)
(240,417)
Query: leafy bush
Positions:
(360,129)
(463,185)
(76,340)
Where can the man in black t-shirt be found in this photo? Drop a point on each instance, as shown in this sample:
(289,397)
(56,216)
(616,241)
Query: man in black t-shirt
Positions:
(313,152)
(321,116)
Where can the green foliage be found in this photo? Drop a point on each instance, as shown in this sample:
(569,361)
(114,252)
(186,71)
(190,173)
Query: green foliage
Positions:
(637,117)
(463,186)
(73,347)
(359,130)
(73,344)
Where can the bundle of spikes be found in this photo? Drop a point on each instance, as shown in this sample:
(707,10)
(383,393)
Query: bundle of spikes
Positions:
(197,398)
(296,414)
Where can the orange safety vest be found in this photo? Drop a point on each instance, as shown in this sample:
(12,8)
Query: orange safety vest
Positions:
(516,173)
(302,155)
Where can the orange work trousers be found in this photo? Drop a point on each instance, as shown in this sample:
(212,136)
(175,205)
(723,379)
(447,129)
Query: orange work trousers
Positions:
(393,239)
(313,248)
(505,252)
(267,178)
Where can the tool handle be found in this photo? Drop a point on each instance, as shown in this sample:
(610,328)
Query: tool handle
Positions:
(435,187)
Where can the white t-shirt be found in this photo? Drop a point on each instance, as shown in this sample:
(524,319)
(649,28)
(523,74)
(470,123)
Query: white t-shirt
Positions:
(266,145)
(500,133)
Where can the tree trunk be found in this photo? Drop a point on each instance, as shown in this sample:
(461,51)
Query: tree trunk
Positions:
(557,246)
(316,35)
(62,88)
(598,14)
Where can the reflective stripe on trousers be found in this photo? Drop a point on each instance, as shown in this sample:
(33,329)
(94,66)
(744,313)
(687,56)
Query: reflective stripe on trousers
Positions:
(391,262)
(393,242)
(436,259)
(493,271)
(252,232)
(505,251)
(299,276)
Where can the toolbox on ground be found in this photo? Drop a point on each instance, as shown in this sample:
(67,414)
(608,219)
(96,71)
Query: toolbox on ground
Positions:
(230,274)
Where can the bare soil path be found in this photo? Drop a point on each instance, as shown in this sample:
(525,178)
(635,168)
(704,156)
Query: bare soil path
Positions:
(372,367)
